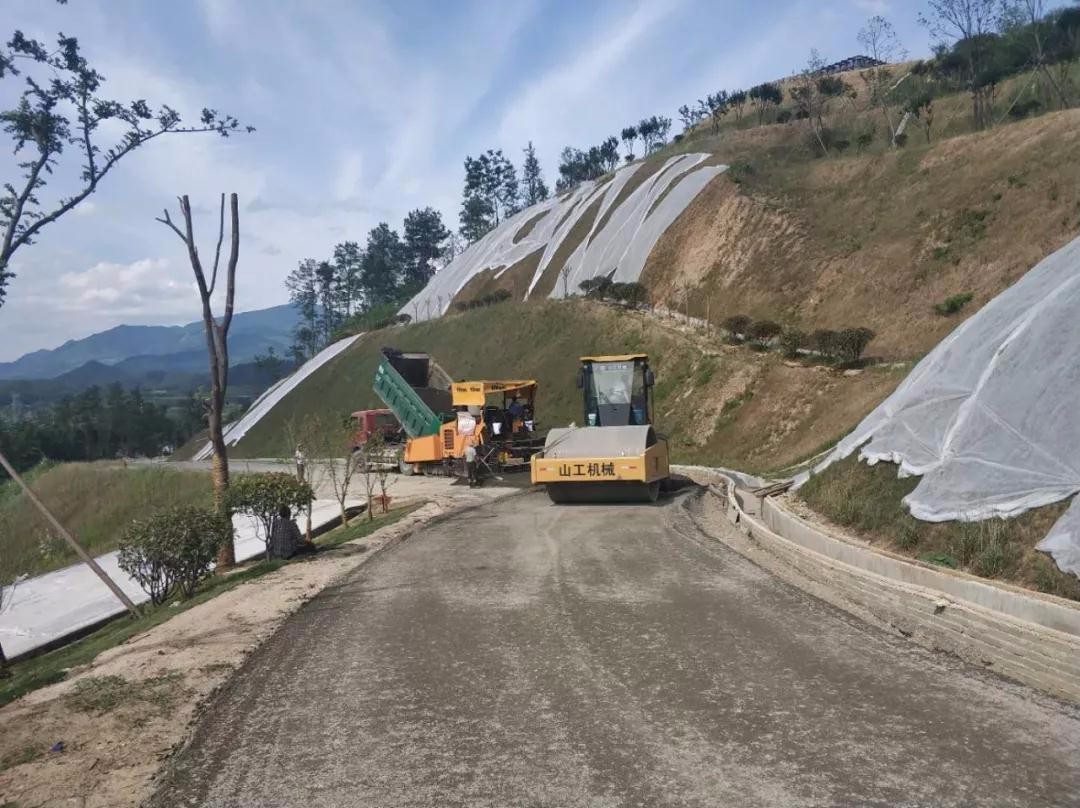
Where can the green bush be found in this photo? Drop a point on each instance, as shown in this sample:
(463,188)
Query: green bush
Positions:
(825,342)
(736,326)
(851,342)
(953,304)
(763,332)
(173,550)
(261,496)
(792,341)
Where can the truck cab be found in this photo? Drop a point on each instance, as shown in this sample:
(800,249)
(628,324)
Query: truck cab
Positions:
(368,422)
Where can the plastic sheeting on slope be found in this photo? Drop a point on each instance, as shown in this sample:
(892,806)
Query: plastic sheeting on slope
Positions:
(268,400)
(60,603)
(989,417)
(623,243)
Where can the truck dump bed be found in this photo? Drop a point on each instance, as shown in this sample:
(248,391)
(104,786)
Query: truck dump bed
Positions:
(415,389)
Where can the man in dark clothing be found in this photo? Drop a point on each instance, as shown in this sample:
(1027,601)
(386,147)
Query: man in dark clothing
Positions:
(286,540)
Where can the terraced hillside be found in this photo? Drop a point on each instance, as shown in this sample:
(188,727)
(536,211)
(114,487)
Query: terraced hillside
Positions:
(719,403)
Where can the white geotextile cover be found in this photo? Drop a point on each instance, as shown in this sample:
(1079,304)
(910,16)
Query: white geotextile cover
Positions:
(622,244)
(268,400)
(991,417)
(59,603)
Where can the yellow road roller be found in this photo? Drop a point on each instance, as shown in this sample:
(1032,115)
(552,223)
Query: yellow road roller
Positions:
(617,456)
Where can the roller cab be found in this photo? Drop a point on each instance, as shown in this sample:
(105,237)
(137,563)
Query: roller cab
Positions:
(617,456)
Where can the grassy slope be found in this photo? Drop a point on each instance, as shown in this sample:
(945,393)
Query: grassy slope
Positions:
(713,400)
(94,501)
(868,499)
(874,239)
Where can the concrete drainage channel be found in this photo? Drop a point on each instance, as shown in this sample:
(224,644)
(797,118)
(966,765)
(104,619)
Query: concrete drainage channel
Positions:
(1026,636)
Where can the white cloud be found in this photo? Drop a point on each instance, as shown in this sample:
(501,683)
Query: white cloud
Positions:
(153,286)
(873,6)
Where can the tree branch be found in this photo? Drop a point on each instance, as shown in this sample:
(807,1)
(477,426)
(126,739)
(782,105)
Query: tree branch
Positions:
(31,230)
(11,241)
(217,252)
(169,223)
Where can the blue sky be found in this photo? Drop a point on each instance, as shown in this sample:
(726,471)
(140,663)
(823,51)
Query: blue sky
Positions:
(364,111)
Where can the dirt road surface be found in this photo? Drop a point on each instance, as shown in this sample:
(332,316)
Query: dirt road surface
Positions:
(526,654)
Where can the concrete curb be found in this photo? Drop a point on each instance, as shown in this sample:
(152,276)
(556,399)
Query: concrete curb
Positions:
(1030,637)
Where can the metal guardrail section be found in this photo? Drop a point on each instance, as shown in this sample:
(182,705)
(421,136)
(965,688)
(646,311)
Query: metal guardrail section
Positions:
(415,416)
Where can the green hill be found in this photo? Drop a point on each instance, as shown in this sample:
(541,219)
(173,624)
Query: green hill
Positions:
(719,403)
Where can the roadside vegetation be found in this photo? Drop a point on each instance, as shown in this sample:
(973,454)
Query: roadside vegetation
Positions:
(95,501)
(31,673)
(868,500)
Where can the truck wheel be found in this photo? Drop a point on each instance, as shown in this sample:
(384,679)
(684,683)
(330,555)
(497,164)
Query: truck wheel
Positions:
(406,468)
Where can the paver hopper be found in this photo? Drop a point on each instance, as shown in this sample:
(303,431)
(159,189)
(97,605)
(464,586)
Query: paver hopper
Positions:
(617,456)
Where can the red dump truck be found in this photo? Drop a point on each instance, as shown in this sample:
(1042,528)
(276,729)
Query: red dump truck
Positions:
(368,422)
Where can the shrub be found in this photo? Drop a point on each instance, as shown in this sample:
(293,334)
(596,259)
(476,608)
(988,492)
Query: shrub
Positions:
(851,342)
(173,549)
(783,116)
(596,288)
(791,342)
(1022,109)
(825,342)
(261,496)
(736,326)
(763,332)
(953,304)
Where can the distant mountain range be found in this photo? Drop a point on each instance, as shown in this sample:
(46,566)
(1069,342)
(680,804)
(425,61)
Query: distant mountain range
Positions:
(128,352)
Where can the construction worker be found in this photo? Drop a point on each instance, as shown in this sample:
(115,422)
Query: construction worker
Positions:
(470,464)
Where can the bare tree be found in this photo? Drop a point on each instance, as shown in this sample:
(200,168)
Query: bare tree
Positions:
(341,467)
(565,273)
(880,42)
(1033,14)
(808,98)
(371,457)
(61,107)
(217,339)
(968,21)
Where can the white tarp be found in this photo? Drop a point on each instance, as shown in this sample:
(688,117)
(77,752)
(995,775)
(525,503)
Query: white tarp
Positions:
(60,603)
(989,418)
(630,230)
(269,399)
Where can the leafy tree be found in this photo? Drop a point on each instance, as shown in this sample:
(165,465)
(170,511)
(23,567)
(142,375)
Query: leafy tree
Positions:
(327,285)
(715,106)
(629,134)
(424,236)
(173,550)
(62,107)
(262,496)
(690,117)
(348,262)
(302,285)
(737,326)
(970,22)
(737,101)
(653,132)
(492,177)
(921,108)
(762,332)
(764,97)
(477,218)
(533,189)
(383,266)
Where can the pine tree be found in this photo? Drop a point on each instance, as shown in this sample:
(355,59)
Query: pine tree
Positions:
(383,266)
(424,237)
(304,295)
(532,181)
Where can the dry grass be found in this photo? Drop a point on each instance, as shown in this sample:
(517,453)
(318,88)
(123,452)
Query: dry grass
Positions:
(93,500)
(868,499)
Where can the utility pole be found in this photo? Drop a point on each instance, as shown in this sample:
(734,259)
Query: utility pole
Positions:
(79,551)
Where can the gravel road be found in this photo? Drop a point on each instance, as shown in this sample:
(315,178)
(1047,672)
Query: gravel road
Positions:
(526,654)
